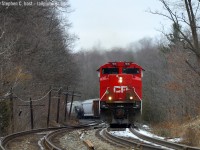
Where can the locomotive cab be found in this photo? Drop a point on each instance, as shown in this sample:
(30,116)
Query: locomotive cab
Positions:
(120,92)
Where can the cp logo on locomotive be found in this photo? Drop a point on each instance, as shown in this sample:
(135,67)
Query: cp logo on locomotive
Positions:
(120,89)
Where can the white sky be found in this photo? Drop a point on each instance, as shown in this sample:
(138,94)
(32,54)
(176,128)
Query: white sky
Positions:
(111,23)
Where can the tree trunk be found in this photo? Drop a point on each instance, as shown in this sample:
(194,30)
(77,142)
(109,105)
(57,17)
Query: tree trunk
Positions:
(193,26)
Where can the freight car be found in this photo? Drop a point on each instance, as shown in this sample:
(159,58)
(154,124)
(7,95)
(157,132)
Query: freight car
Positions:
(120,92)
(76,109)
(91,108)
(85,109)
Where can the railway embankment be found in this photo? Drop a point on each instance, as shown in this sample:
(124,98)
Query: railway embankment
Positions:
(188,131)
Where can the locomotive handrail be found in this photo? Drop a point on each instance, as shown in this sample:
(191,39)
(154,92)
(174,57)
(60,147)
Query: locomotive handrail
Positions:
(136,94)
(104,93)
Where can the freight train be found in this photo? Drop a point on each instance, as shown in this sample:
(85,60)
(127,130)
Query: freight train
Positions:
(120,95)
(120,92)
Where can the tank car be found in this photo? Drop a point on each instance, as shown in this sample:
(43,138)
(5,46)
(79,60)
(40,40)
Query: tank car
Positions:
(120,92)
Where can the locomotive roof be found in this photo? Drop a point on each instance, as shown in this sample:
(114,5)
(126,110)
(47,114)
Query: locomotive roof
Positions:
(120,64)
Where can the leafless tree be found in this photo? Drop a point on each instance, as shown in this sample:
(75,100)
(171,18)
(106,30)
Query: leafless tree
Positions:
(186,14)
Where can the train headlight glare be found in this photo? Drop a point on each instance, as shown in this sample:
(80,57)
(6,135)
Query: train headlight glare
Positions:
(110,98)
(131,97)
(120,79)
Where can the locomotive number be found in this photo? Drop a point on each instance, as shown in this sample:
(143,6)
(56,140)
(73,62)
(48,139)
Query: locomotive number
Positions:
(120,89)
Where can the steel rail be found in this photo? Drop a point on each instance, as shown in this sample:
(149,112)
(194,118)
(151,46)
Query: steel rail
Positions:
(48,139)
(100,134)
(136,144)
(163,142)
(4,141)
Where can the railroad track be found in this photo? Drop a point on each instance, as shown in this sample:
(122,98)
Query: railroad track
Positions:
(49,142)
(171,145)
(127,143)
(144,142)
(5,142)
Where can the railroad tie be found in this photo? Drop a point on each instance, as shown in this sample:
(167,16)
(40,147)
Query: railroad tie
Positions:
(139,146)
(89,144)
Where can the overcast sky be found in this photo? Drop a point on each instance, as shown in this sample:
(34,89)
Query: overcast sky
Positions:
(112,23)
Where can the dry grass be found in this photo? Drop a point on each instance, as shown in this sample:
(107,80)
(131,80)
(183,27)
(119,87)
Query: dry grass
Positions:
(73,121)
(167,129)
(191,134)
(175,86)
(188,130)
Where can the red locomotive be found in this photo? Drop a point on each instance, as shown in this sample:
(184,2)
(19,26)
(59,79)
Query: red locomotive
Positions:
(120,92)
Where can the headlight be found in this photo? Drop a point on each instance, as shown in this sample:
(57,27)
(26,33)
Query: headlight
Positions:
(110,98)
(120,79)
(131,97)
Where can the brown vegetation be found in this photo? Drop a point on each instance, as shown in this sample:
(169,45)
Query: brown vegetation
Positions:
(35,53)
(188,130)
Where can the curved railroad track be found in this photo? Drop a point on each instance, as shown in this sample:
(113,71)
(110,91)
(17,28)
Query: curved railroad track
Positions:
(171,145)
(7,141)
(35,137)
(51,140)
(127,143)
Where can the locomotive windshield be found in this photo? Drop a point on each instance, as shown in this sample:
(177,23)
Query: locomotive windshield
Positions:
(110,71)
(131,70)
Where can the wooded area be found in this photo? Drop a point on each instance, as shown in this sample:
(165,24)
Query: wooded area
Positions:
(36,53)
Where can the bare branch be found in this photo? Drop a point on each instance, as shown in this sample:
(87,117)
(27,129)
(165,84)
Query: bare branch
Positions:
(3,52)
(197,9)
(176,19)
(2,35)
(192,67)
(182,19)
(158,13)
(193,27)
